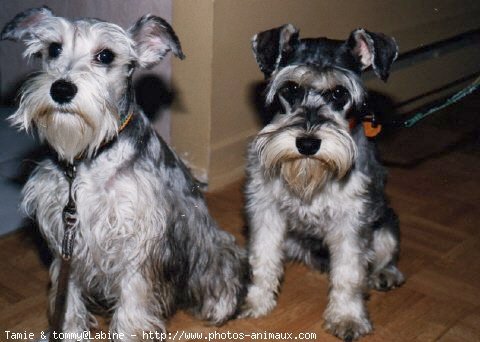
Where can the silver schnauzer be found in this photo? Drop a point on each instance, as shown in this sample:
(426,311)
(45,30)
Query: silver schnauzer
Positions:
(315,190)
(145,243)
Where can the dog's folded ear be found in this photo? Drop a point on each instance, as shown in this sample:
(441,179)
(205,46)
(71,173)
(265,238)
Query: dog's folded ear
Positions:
(273,46)
(23,25)
(373,49)
(154,38)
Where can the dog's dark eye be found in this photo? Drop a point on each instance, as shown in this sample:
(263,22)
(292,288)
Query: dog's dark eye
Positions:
(54,50)
(337,96)
(292,92)
(340,93)
(105,56)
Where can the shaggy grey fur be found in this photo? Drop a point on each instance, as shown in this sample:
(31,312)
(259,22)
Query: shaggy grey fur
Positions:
(315,189)
(145,243)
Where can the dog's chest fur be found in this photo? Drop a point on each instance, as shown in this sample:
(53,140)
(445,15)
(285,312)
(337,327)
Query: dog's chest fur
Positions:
(326,209)
(117,204)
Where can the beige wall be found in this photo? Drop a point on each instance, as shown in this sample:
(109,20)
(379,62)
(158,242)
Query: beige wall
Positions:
(215,119)
(191,112)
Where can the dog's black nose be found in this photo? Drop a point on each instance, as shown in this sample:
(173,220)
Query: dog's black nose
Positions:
(308,146)
(63,91)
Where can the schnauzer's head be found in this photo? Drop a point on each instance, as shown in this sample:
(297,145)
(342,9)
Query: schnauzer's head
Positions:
(317,82)
(83,92)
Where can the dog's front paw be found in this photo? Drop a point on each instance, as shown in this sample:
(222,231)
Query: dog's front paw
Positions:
(348,328)
(258,302)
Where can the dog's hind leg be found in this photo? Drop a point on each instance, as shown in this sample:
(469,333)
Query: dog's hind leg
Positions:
(386,243)
(219,282)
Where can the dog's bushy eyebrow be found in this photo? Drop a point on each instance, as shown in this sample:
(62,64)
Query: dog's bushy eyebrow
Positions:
(311,77)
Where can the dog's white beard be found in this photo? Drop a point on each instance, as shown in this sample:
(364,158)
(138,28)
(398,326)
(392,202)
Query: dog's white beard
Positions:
(80,127)
(73,135)
(306,176)
(67,133)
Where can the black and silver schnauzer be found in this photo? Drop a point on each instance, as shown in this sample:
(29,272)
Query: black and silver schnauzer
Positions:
(145,243)
(315,190)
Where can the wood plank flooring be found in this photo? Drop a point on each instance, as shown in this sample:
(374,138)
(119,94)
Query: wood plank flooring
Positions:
(434,186)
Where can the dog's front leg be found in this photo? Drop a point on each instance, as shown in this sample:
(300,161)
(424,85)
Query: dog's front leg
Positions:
(267,236)
(139,315)
(346,316)
(77,319)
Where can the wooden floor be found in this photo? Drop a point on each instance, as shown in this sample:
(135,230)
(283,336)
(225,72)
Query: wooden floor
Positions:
(435,188)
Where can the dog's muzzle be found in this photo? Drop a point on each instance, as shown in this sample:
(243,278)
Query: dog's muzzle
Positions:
(63,91)
(307,146)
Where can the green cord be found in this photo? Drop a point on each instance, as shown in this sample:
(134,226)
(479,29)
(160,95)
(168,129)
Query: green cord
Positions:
(451,100)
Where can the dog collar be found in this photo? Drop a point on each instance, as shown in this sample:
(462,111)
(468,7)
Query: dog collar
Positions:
(371,127)
(125,121)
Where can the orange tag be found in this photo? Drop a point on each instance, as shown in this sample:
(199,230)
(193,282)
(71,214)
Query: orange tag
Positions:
(370,130)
